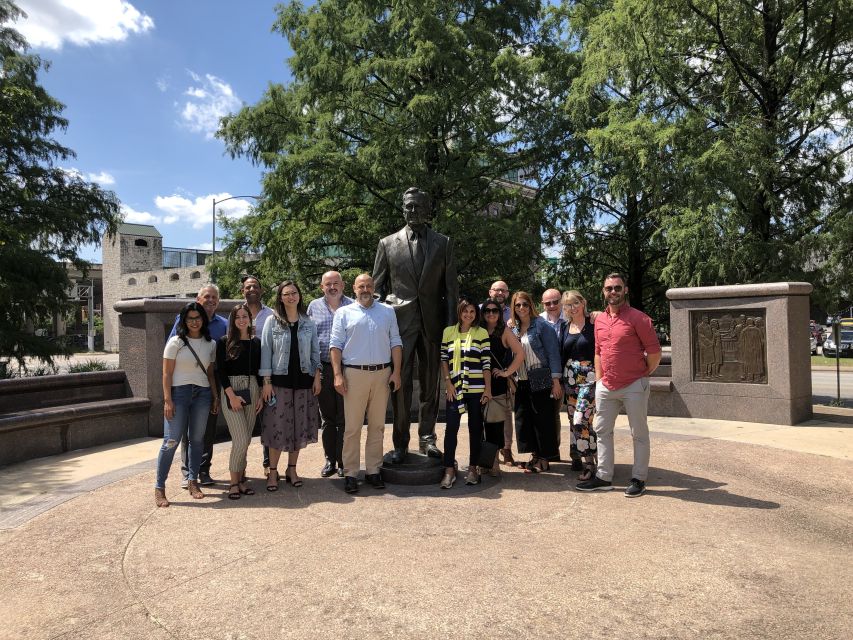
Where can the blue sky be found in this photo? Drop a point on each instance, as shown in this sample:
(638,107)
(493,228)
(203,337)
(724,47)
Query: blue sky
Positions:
(144,84)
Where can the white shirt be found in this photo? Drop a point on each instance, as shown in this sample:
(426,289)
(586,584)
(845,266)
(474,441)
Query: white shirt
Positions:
(187,370)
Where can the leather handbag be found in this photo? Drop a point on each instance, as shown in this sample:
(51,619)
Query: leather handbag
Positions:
(495,410)
(488,453)
(539,378)
(246,394)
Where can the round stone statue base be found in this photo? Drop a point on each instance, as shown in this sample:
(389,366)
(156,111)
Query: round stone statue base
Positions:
(416,469)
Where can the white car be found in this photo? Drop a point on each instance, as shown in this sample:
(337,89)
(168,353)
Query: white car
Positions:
(846,344)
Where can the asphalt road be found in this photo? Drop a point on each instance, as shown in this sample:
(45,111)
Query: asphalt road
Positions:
(825,386)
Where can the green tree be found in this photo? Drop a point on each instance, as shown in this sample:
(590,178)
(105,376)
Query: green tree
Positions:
(759,98)
(384,97)
(46,212)
(610,177)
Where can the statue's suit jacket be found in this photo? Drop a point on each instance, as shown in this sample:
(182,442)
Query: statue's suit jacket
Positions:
(428,301)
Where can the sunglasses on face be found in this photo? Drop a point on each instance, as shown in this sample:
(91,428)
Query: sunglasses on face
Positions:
(194,319)
(550,303)
(522,305)
(617,288)
(491,310)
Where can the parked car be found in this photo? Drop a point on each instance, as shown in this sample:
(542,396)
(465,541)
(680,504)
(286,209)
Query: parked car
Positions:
(846,347)
(813,344)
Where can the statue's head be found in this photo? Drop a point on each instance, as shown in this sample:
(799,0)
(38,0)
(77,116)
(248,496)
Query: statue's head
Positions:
(416,207)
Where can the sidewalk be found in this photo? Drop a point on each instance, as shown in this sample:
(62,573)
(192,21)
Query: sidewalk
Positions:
(745,532)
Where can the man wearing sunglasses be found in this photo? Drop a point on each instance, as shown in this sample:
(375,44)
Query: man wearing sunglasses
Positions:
(627,351)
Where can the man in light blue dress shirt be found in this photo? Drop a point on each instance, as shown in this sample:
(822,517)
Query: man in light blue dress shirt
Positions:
(366,353)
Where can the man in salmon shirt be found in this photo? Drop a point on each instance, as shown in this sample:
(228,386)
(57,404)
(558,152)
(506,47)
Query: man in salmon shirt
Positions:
(627,351)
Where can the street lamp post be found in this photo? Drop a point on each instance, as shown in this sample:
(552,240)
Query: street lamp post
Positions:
(213,236)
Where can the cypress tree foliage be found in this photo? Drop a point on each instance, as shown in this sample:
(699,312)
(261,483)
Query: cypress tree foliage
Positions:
(46,212)
(752,102)
(426,93)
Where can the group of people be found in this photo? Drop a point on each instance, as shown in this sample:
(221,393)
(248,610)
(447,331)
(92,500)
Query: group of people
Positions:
(336,361)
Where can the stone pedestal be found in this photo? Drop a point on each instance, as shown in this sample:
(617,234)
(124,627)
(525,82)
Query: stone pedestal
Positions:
(144,325)
(741,352)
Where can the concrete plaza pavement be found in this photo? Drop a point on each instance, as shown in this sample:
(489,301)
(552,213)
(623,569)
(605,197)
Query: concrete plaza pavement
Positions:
(745,532)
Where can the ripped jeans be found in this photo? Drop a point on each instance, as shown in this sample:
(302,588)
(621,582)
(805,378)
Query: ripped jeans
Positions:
(192,404)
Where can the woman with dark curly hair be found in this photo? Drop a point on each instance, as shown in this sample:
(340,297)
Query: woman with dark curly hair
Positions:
(187,399)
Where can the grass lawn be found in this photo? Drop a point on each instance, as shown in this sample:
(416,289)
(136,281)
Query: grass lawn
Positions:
(830,362)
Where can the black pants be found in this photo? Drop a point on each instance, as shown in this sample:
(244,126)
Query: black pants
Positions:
(534,422)
(207,453)
(475,429)
(332,415)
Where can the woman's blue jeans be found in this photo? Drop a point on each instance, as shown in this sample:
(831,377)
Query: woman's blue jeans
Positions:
(192,404)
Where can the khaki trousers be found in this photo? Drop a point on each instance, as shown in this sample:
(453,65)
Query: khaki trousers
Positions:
(367,393)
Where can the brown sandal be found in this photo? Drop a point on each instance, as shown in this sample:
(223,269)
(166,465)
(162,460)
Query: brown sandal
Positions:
(160,498)
(195,492)
(506,454)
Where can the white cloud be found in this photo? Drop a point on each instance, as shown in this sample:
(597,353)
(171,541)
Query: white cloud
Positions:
(51,23)
(198,212)
(209,100)
(103,178)
(204,246)
(162,84)
(130,214)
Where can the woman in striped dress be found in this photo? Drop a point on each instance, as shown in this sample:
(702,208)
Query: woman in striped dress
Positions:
(465,366)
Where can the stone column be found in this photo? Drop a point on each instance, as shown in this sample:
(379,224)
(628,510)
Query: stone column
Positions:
(144,325)
(741,352)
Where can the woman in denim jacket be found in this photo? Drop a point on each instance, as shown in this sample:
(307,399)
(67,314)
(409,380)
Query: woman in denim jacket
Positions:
(292,381)
(535,422)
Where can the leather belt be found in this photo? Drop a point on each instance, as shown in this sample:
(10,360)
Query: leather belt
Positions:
(369,367)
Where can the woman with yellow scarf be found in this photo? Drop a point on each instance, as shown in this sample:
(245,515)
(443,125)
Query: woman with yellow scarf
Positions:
(466,368)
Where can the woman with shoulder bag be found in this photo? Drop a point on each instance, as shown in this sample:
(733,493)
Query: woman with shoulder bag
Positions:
(187,400)
(238,359)
(538,383)
(504,348)
(465,364)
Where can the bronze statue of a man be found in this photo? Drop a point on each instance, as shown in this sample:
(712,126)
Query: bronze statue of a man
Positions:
(415,273)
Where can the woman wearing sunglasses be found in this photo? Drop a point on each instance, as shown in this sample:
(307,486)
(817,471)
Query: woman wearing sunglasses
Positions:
(507,358)
(578,357)
(187,380)
(538,382)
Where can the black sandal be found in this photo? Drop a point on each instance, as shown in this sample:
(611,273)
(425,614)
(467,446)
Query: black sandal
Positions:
(296,483)
(272,487)
(247,491)
(537,465)
(234,495)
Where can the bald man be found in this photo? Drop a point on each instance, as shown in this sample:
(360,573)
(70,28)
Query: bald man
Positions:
(322,311)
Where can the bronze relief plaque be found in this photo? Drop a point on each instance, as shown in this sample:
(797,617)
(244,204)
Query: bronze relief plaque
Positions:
(729,346)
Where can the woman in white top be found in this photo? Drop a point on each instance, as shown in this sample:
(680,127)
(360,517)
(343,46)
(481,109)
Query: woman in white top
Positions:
(187,380)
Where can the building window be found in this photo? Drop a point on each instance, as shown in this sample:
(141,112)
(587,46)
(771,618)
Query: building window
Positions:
(139,242)
(174,277)
(131,282)
(152,279)
(195,275)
